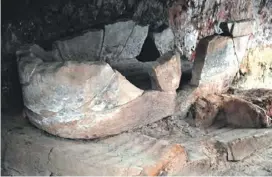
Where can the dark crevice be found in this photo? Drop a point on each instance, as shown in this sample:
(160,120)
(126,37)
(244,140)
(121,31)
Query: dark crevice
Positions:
(149,51)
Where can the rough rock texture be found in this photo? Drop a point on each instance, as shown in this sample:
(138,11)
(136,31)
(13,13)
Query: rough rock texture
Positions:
(123,40)
(229,110)
(187,151)
(43,22)
(215,64)
(166,72)
(239,28)
(86,47)
(256,69)
(87,99)
(164,41)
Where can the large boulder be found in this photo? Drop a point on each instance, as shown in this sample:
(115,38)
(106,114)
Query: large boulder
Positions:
(87,99)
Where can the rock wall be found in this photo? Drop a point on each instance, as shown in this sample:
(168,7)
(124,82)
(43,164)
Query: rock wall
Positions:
(43,22)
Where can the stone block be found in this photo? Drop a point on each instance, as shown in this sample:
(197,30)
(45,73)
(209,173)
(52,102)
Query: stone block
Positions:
(166,72)
(215,65)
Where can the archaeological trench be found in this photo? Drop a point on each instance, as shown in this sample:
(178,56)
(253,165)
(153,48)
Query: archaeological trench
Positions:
(136,87)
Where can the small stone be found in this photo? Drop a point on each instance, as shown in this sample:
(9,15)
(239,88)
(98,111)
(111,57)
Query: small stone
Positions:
(166,72)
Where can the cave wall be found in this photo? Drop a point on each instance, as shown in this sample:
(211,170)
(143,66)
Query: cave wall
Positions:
(42,22)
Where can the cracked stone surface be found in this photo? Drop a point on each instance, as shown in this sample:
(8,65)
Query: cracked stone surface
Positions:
(167,147)
(87,99)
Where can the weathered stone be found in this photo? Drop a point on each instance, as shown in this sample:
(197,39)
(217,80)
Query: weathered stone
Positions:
(215,64)
(205,110)
(164,41)
(256,67)
(241,46)
(81,48)
(243,114)
(87,99)
(123,40)
(35,51)
(239,28)
(235,112)
(134,42)
(88,123)
(241,143)
(166,72)
(29,151)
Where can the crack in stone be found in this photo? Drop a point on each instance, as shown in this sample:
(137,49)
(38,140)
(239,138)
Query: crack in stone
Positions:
(50,152)
(103,40)
(126,41)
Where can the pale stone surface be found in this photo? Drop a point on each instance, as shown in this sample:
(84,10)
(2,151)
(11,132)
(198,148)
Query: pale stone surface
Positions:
(166,72)
(86,47)
(164,40)
(215,64)
(240,28)
(87,99)
(256,68)
(242,143)
(29,151)
(123,40)
(241,45)
(90,123)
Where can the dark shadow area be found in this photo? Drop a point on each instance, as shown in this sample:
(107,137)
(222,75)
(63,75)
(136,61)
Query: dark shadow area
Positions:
(149,51)
(11,91)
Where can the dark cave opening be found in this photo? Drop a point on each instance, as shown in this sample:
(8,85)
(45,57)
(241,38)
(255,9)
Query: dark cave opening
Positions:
(149,51)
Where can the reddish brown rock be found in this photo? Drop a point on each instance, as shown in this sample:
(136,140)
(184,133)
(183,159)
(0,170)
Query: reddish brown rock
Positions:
(205,110)
(243,114)
(234,111)
(166,72)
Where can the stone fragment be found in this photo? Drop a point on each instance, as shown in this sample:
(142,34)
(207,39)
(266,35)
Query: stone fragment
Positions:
(241,143)
(239,28)
(215,65)
(164,41)
(86,47)
(166,72)
(123,40)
